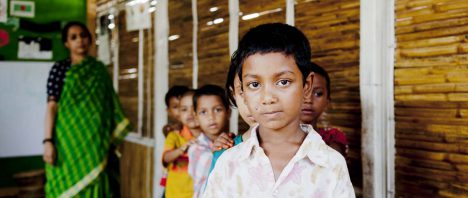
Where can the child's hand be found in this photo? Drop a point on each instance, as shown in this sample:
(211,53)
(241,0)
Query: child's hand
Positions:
(224,141)
(187,145)
(167,129)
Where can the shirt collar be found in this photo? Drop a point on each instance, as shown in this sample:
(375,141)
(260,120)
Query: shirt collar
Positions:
(186,133)
(312,147)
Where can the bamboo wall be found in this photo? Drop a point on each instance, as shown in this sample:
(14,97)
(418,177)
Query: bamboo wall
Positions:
(128,70)
(136,170)
(136,163)
(137,160)
(180,50)
(431,98)
(213,42)
(332,28)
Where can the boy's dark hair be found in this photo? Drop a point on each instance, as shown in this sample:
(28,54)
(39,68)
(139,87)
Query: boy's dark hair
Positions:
(269,38)
(175,91)
(210,90)
(317,69)
(75,23)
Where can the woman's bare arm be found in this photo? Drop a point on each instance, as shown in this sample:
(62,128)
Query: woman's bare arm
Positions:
(49,149)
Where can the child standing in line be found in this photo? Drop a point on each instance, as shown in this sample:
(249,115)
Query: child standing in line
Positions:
(281,158)
(172,100)
(212,112)
(179,183)
(228,140)
(315,104)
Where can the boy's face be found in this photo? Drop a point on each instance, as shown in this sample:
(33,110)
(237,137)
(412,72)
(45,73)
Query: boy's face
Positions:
(241,107)
(187,115)
(316,103)
(273,89)
(211,114)
(173,109)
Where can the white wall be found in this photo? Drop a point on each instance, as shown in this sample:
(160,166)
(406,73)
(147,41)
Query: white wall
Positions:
(22,107)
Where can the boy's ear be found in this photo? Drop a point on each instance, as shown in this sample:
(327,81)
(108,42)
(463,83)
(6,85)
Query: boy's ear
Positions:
(308,84)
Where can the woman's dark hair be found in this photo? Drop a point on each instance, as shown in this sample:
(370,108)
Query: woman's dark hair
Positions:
(71,24)
(317,69)
(269,38)
(210,90)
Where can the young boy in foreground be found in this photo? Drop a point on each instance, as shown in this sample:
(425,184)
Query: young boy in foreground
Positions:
(281,158)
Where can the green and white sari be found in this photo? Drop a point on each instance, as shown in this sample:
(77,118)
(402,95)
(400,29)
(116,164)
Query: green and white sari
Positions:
(89,124)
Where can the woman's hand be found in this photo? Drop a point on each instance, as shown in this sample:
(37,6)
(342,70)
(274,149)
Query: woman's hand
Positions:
(224,141)
(49,153)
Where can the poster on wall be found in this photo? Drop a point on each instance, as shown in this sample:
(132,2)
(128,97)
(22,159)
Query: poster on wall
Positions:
(34,48)
(22,8)
(3,11)
(138,15)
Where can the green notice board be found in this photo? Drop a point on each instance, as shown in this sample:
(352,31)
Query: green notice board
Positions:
(46,24)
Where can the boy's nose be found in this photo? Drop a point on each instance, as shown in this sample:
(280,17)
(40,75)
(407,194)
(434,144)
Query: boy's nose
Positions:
(268,96)
(210,116)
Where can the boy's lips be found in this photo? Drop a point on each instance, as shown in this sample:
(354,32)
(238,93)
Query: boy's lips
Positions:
(307,111)
(271,114)
(213,126)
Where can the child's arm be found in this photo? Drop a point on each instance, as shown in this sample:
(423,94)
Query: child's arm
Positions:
(224,141)
(171,151)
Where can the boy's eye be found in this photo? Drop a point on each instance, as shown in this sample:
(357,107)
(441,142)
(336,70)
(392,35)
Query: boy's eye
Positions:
(283,83)
(217,110)
(73,37)
(203,112)
(318,93)
(253,85)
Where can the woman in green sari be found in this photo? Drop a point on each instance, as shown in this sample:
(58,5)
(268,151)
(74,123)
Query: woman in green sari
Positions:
(84,123)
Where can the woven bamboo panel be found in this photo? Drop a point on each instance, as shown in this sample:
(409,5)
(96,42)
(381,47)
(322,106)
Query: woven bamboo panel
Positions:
(128,79)
(333,31)
(431,98)
(136,167)
(180,50)
(275,12)
(213,42)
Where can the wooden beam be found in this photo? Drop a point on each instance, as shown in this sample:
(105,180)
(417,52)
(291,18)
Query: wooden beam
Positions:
(161,86)
(376,90)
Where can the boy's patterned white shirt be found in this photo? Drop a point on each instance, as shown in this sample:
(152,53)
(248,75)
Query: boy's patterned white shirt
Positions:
(200,156)
(316,170)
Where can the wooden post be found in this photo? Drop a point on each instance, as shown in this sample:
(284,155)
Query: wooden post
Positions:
(91,22)
(194,45)
(376,90)
(161,86)
(233,42)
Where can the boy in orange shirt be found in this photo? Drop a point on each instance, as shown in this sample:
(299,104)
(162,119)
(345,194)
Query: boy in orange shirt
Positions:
(179,183)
